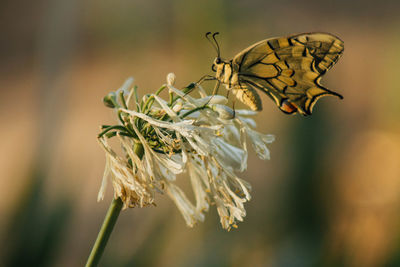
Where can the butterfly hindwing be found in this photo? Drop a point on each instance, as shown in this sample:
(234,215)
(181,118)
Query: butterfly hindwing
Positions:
(324,48)
(289,69)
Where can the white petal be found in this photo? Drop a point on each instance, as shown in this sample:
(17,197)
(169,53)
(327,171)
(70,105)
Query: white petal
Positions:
(125,87)
(246,112)
(229,155)
(201,91)
(224,112)
(197,180)
(247,121)
(187,209)
(103,186)
(259,142)
(167,109)
(178,106)
(211,99)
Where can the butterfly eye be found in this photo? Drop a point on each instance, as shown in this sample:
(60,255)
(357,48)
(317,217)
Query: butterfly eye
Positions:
(213,68)
(217,60)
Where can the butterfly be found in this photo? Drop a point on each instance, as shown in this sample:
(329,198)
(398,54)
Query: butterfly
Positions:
(287,69)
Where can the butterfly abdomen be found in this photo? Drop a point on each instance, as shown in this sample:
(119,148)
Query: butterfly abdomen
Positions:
(248,96)
(227,74)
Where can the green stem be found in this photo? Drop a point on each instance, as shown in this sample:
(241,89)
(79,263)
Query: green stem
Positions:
(109,128)
(193,111)
(185,90)
(105,232)
(136,98)
(109,222)
(122,97)
(150,100)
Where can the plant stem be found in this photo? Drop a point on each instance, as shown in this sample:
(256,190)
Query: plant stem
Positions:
(193,110)
(104,233)
(109,222)
(185,90)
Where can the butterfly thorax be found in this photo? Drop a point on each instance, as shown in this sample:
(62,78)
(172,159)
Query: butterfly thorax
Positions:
(227,72)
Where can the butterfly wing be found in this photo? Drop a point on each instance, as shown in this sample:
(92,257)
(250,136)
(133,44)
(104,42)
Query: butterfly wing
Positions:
(289,69)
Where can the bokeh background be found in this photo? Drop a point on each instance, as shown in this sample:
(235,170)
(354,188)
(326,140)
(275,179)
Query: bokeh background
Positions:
(329,196)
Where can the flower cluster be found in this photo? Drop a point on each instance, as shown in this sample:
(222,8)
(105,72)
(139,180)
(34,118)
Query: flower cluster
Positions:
(199,136)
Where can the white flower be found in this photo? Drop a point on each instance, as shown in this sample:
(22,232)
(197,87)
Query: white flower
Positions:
(198,136)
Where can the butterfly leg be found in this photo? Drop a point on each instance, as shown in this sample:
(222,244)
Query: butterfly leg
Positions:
(206,78)
(233,101)
(202,79)
(190,90)
(215,91)
(233,105)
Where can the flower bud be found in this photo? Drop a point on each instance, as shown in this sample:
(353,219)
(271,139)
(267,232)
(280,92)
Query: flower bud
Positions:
(224,112)
(171,79)
(110,100)
(211,99)
(178,106)
(218,99)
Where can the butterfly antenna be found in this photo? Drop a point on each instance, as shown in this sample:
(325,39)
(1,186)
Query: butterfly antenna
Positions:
(215,40)
(212,43)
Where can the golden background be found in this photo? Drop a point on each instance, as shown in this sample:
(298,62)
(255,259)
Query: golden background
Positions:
(329,196)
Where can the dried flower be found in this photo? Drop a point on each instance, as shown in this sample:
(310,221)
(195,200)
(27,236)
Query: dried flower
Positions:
(199,136)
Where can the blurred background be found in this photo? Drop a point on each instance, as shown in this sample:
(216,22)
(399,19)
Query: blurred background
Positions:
(329,196)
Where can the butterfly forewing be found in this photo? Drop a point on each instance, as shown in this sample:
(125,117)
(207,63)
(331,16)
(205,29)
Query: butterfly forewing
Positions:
(289,69)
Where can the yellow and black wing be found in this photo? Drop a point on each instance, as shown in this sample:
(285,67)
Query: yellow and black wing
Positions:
(289,69)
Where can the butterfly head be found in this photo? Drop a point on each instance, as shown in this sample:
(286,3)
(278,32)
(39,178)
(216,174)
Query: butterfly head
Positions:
(217,64)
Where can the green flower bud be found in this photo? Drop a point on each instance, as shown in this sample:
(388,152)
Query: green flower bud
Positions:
(110,100)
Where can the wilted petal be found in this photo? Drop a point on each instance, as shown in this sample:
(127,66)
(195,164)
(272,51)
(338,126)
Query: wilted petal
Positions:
(210,100)
(103,187)
(259,142)
(125,87)
(224,112)
(187,209)
(229,155)
(199,185)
